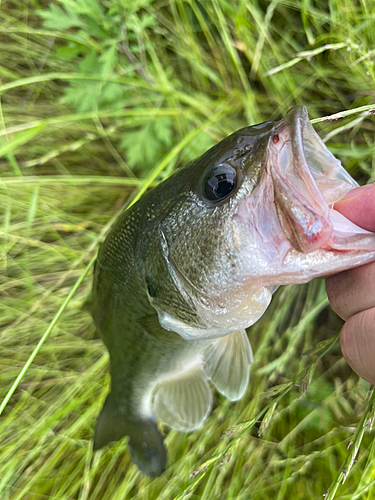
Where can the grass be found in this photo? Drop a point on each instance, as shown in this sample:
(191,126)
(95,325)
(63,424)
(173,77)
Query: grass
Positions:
(101,100)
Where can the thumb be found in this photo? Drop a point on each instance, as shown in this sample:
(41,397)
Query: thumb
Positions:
(359,206)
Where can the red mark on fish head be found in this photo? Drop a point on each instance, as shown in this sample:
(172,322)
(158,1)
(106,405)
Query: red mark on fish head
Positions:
(275,139)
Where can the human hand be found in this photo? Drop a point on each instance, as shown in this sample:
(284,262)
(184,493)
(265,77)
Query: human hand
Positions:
(352,293)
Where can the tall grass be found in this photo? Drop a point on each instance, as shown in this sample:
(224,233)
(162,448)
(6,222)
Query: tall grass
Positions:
(101,100)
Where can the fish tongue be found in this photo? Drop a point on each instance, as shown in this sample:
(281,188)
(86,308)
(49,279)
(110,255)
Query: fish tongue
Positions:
(302,212)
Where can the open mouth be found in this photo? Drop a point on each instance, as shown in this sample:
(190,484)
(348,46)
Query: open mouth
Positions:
(307,181)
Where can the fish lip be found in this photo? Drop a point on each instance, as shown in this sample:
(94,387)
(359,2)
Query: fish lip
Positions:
(302,212)
(295,120)
(297,114)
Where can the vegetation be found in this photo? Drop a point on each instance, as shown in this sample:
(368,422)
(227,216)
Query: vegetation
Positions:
(100,100)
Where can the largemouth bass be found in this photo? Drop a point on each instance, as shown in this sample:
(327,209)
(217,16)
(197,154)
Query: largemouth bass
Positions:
(194,263)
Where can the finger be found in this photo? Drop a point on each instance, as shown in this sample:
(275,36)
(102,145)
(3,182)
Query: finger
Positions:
(352,291)
(358,344)
(359,206)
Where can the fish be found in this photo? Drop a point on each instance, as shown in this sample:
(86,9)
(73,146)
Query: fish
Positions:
(190,266)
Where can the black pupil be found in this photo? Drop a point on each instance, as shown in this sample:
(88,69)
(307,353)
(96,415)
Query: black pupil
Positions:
(221,182)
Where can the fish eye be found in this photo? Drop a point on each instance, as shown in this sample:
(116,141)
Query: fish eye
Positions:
(219,182)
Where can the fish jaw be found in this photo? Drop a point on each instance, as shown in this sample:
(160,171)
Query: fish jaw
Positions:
(295,233)
(317,181)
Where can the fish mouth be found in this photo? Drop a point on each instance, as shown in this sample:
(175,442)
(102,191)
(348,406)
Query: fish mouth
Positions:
(307,181)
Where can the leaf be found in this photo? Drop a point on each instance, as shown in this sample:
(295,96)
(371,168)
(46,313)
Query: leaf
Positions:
(96,30)
(144,147)
(89,8)
(88,95)
(58,19)
(69,52)
(90,64)
(162,128)
(84,14)
(84,94)
(108,59)
(112,93)
(146,21)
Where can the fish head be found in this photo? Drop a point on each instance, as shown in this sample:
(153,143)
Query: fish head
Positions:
(254,212)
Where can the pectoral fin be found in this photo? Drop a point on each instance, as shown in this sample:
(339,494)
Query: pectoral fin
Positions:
(227,363)
(185,402)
